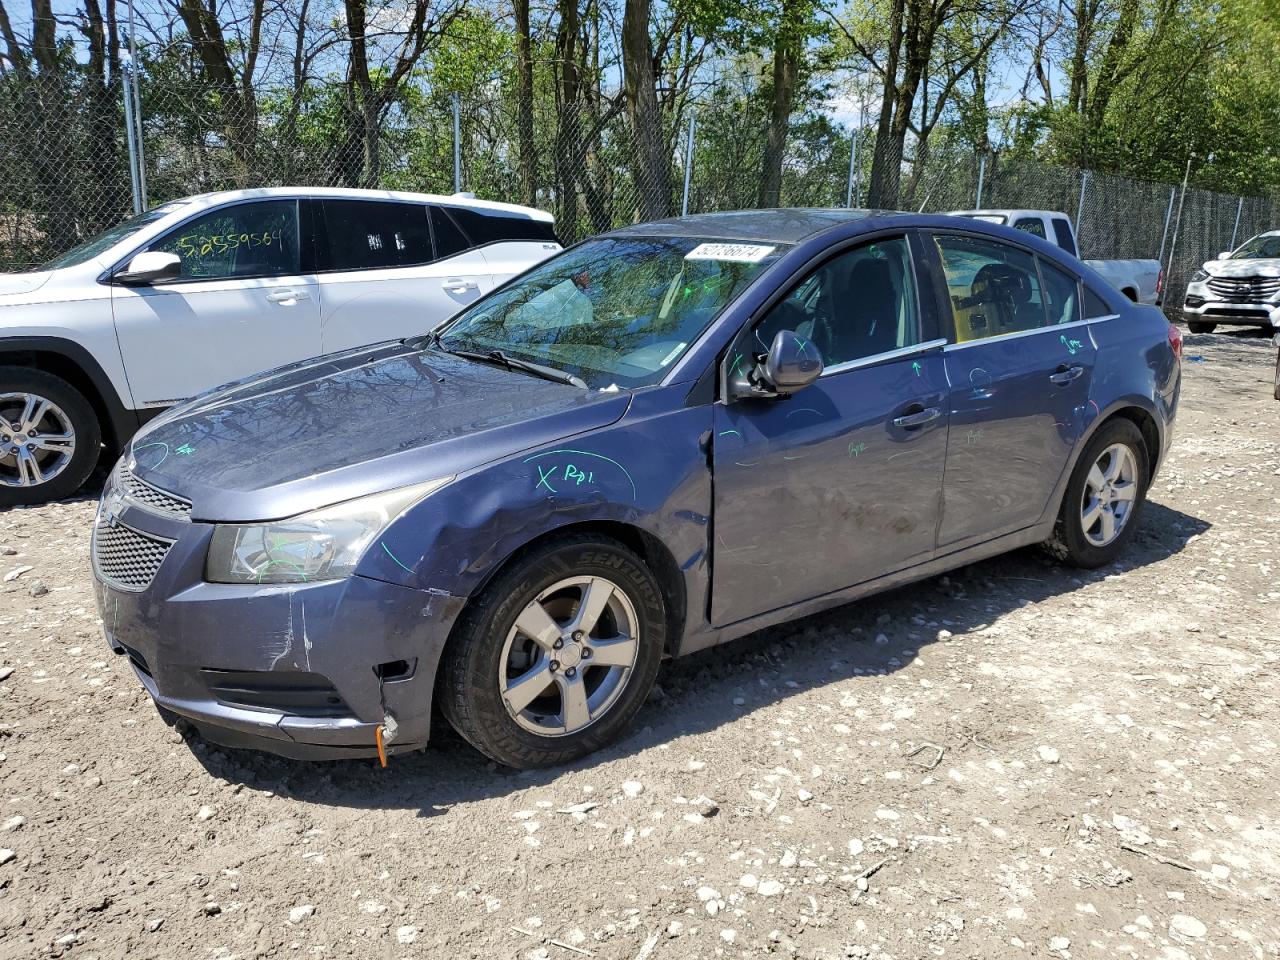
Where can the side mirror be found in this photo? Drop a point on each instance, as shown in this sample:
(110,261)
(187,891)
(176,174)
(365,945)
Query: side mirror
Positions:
(793,362)
(150,267)
(1224,255)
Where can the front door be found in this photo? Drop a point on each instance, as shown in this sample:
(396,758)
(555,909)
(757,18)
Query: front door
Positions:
(1020,371)
(241,304)
(839,483)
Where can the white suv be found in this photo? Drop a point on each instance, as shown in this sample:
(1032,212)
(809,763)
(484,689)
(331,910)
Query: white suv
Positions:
(212,288)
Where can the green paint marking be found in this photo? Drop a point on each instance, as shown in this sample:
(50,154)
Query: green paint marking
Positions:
(1071,345)
(387,549)
(725,433)
(154,443)
(737,363)
(587,453)
(542,479)
(186,450)
(916,367)
(856,448)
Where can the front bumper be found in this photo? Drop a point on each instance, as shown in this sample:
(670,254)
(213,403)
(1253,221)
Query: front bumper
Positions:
(306,671)
(1200,304)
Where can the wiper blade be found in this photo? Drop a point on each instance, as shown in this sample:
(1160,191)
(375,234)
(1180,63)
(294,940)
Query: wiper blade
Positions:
(501,359)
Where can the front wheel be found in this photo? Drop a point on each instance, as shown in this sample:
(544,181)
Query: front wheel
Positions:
(556,656)
(1104,497)
(1276,393)
(1197,327)
(50,439)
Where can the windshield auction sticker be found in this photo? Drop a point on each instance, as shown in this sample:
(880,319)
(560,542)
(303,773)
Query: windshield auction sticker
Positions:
(735,252)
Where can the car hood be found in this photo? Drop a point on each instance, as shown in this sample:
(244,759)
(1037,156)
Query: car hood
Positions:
(351,424)
(1260,267)
(12,284)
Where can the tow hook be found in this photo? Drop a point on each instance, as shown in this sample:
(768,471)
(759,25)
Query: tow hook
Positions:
(385,735)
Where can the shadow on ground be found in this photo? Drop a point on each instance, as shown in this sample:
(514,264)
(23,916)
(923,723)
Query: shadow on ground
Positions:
(697,693)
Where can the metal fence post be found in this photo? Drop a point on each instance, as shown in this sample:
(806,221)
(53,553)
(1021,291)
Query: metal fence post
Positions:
(1084,183)
(688,163)
(982,173)
(1236,228)
(1168,216)
(1177,224)
(137,112)
(457,143)
(850,195)
(131,133)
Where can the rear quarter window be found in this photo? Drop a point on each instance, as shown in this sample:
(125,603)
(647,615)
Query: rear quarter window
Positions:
(483,227)
(1095,306)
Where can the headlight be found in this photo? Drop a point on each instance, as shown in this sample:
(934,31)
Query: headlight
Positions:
(1200,276)
(325,544)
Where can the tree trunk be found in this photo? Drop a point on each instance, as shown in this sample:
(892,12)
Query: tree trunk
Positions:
(524,94)
(236,99)
(572,118)
(361,146)
(882,192)
(786,57)
(650,167)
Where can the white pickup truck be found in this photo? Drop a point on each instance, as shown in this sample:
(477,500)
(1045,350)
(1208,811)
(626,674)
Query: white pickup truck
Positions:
(1142,281)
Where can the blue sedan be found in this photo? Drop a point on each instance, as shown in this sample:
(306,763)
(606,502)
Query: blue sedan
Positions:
(664,438)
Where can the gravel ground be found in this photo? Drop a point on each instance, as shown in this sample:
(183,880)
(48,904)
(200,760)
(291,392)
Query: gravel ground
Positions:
(1015,760)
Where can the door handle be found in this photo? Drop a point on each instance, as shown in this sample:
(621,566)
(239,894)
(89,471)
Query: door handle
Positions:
(909,421)
(1065,374)
(458,285)
(287,296)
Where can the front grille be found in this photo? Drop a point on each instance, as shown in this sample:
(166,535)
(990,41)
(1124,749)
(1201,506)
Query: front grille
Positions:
(152,498)
(289,692)
(127,558)
(1243,289)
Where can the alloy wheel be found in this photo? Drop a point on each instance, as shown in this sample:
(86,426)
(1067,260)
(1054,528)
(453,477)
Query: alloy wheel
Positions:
(568,656)
(37,440)
(1110,492)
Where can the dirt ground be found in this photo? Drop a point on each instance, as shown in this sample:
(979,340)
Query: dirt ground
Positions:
(1015,760)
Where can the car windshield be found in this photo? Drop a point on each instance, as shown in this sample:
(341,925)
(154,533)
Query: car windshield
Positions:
(1265,247)
(616,312)
(109,238)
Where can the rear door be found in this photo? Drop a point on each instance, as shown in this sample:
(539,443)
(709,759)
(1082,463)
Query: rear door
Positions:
(381,277)
(242,304)
(841,482)
(1020,364)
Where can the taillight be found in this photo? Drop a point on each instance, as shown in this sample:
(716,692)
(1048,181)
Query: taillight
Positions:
(1160,283)
(1175,341)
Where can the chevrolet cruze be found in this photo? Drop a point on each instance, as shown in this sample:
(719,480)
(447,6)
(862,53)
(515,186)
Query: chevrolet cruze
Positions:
(663,438)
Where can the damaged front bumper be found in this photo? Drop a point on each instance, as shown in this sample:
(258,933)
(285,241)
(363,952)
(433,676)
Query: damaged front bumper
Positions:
(307,671)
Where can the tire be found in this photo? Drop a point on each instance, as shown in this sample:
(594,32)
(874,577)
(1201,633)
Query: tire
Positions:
(1086,545)
(1196,327)
(66,412)
(489,650)
(1276,393)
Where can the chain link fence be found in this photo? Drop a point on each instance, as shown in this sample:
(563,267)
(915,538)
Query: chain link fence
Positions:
(67,172)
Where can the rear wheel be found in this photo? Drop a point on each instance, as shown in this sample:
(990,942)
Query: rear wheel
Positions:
(1104,497)
(1197,327)
(1277,389)
(556,656)
(49,437)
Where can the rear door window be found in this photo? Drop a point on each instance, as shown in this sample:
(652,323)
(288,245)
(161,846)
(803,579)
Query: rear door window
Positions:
(994,288)
(1062,233)
(1061,294)
(372,235)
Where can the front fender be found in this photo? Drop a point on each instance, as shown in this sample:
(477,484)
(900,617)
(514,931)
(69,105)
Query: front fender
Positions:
(648,471)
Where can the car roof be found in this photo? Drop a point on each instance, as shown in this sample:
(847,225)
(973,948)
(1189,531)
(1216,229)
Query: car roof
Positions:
(780,225)
(202,200)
